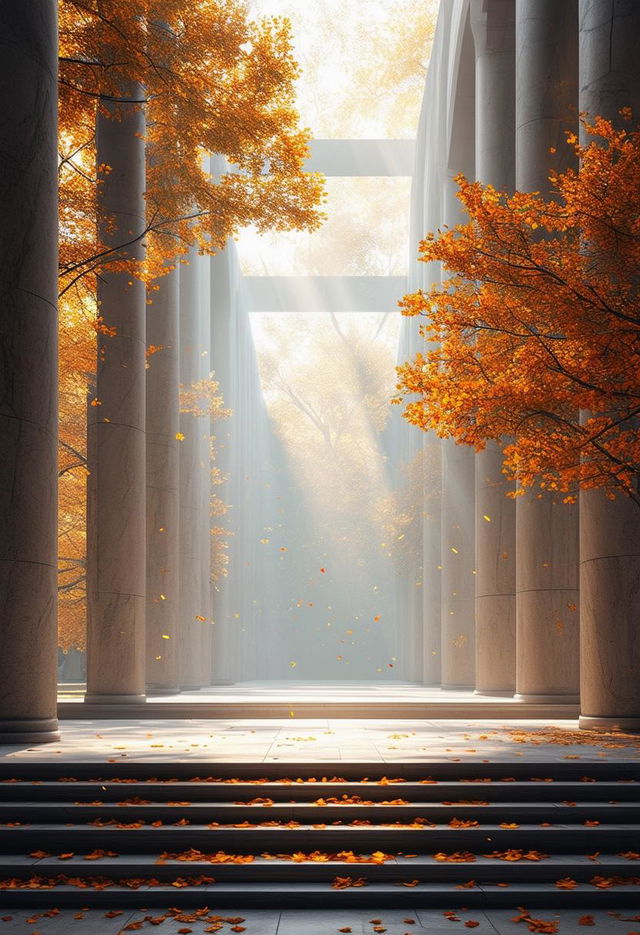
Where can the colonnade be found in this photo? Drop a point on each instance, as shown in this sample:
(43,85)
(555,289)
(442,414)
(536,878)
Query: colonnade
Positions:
(507,77)
(497,108)
(147,496)
(153,529)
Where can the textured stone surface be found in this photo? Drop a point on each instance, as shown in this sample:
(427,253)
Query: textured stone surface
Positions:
(546,532)
(195,600)
(116,540)
(493,25)
(458,484)
(162,466)
(28,370)
(609,530)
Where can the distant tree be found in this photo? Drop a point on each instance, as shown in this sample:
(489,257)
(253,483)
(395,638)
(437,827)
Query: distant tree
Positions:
(535,333)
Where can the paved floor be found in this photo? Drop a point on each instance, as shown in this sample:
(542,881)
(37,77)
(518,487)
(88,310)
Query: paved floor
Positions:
(301,922)
(327,740)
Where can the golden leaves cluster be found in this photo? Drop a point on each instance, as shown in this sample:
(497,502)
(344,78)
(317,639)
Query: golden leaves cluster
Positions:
(211,81)
(536,321)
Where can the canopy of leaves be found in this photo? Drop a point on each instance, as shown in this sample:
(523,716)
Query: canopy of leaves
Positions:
(534,332)
(211,81)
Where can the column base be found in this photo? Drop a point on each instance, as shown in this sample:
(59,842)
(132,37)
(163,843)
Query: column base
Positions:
(547,699)
(509,693)
(97,698)
(29,730)
(629,724)
(155,692)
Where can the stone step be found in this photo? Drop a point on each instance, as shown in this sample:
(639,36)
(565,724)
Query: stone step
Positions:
(285,793)
(228,813)
(57,808)
(557,839)
(441,771)
(323,896)
(400,868)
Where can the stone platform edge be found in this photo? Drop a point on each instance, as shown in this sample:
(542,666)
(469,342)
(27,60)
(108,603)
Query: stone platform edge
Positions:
(178,710)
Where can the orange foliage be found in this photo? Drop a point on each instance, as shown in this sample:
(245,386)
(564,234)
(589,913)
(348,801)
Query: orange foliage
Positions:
(343,883)
(537,925)
(513,854)
(537,322)
(214,82)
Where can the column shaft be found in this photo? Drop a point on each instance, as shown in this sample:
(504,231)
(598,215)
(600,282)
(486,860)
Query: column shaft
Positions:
(203,427)
(195,647)
(458,594)
(162,428)
(458,483)
(28,374)
(609,529)
(546,529)
(493,24)
(223,275)
(431,561)
(116,594)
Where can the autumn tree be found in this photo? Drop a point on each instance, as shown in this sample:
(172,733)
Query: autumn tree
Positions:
(212,81)
(535,332)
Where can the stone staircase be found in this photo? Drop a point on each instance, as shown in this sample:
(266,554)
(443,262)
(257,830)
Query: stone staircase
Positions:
(549,834)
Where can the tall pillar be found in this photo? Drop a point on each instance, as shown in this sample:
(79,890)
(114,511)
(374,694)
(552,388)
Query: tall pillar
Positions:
(203,427)
(116,589)
(162,430)
(609,529)
(28,373)
(547,631)
(223,274)
(431,561)
(458,483)
(194,643)
(493,25)
(458,593)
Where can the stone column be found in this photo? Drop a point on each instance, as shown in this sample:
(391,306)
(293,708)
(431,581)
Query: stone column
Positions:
(493,24)
(431,561)
(116,592)
(609,529)
(202,425)
(547,633)
(223,275)
(458,593)
(458,481)
(28,373)
(194,644)
(162,429)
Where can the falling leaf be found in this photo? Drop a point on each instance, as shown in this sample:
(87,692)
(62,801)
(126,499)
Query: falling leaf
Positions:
(179,437)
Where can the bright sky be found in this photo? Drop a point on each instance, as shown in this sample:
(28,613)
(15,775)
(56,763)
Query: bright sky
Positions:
(362,78)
